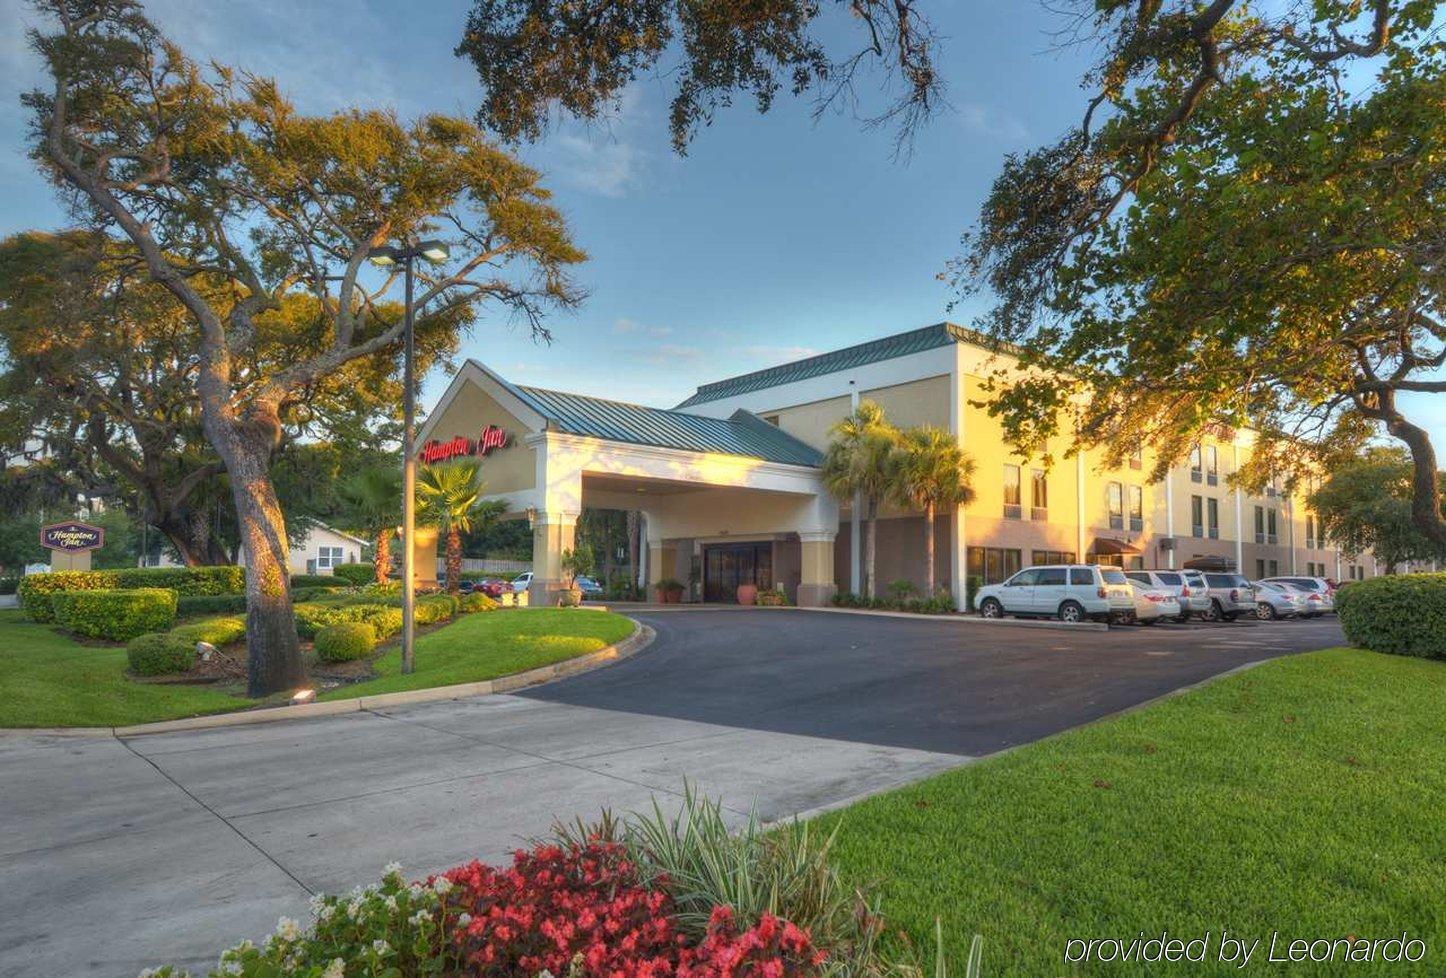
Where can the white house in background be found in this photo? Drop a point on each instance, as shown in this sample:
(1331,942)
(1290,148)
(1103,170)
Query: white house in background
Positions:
(320,549)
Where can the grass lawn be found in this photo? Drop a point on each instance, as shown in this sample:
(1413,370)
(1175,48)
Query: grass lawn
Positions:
(1303,797)
(49,680)
(491,644)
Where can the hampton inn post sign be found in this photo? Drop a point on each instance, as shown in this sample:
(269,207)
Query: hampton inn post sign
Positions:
(70,544)
(491,437)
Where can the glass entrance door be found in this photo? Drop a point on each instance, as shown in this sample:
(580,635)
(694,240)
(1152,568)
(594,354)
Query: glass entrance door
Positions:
(725,566)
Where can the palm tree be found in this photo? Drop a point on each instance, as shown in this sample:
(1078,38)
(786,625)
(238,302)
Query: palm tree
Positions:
(860,462)
(932,473)
(373,505)
(449,497)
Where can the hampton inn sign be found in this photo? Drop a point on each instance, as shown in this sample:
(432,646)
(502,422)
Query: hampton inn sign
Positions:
(440,451)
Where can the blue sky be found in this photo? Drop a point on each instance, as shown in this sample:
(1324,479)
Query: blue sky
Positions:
(776,237)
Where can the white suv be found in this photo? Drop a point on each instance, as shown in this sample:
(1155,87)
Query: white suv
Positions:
(1070,592)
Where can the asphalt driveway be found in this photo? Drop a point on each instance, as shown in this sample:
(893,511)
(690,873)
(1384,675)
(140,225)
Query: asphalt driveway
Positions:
(117,855)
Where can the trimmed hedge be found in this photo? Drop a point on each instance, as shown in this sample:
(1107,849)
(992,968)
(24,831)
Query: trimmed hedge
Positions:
(356,575)
(115,614)
(160,653)
(35,590)
(213,631)
(436,607)
(345,641)
(222,604)
(387,621)
(315,580)
(477,601)
(1401,614)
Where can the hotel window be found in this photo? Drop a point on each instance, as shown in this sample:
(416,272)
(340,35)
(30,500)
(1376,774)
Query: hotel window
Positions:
(1271,536)
(1274,566)
(1212,465)
(1195,464)
(1038,495)
(328,557)
(1137,459)
(1117,506)
(1260,524)
(1212,508)
(1309,532)
(1197,516)
(1137,509)
(992,564)
(1050,557)
(1259,569)
(1011,493)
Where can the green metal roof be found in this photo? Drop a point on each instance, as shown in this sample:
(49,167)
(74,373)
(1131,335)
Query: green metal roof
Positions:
(887,348)
(742,434)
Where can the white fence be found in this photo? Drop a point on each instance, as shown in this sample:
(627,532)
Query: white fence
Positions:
(483,565)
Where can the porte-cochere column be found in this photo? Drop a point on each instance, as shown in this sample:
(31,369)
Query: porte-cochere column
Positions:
(816,584)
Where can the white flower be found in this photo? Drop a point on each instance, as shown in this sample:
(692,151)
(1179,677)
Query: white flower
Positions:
(442,885)
(415,890)
(337,969)
(393,868)
(352,907)
(391,903)
(287,929)
(420,917)
(464,919)
(317,902)
(230,967)
(325,912)
(380,946)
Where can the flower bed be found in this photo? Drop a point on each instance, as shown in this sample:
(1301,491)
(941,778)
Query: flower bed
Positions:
(649,898)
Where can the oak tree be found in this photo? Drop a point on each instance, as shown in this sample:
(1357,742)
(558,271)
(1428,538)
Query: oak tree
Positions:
(214,177)
(1246,227)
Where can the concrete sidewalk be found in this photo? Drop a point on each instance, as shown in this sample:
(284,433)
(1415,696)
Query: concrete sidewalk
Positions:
(123,854)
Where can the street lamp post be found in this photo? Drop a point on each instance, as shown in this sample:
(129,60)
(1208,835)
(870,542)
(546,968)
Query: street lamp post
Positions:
(405,255)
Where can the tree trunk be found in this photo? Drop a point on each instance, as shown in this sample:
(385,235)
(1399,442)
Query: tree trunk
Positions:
(454,560)
(1425,478)
(929,550)
(190,534)
(273,651)
(634,525)
(870,528)
(382,556)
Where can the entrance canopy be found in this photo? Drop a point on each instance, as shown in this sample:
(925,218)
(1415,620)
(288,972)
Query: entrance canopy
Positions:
(548,454)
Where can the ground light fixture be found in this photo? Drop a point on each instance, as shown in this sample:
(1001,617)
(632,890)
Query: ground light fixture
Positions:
(405,254)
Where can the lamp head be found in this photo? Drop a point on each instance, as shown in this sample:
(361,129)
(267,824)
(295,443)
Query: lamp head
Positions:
(383,256)
(433,250)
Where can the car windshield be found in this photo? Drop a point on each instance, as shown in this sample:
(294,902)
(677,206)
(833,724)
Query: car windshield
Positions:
(1171,579)
(1113,575)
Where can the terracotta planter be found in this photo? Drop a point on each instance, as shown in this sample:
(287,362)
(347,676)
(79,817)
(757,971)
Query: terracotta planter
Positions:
(670,595)
(747,594)
(569,597)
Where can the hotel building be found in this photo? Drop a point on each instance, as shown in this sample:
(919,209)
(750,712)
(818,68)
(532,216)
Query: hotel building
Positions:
(730,490)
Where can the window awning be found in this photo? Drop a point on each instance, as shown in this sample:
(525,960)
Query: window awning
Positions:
(1109,545)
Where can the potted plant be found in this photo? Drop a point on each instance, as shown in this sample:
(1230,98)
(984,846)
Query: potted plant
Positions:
(669,591)
(775,598)
(574,564)
(747,594)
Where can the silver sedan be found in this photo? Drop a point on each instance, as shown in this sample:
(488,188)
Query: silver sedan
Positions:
(1273,600)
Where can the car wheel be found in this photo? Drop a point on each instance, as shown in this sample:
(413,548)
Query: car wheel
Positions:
(1182,617)
(991,608)
(1148,621)
(1231,616)
(1265,610)
(1072,612)
(1213,613)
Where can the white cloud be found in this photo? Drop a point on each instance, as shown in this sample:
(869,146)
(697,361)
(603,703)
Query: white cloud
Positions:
(628,327)
(672,354)
(985,121)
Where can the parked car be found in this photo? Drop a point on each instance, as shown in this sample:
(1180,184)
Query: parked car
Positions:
(1071,592)
(1316,603)
(492,587)
(1276,600)
(1323,586)
(1188,587)
(1230,596)
(1153,604)
(588,586)
(522,582)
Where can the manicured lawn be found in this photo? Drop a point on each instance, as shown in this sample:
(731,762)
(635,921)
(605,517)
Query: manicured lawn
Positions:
(1303,797)
(49,680)
(491,644)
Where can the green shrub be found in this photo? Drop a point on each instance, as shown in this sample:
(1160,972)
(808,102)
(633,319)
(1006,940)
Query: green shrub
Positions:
(185,581)
(345,641)
(387,621)
(9,584)
(383,589)
(1401,614)
(115,614)
(436,607)
(37,590)
(476,601)
(314,580)
(312,617)
(159,653)
(213,631)
(212,604)
(356,575)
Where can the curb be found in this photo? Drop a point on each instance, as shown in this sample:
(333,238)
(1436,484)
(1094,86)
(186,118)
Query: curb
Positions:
(642,636)
(955,618)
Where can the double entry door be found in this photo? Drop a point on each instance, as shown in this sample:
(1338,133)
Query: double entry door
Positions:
(727,565)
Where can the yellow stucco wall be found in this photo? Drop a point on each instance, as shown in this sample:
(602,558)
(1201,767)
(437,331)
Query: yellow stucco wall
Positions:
(918,402)
(505,469)
(811,422)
